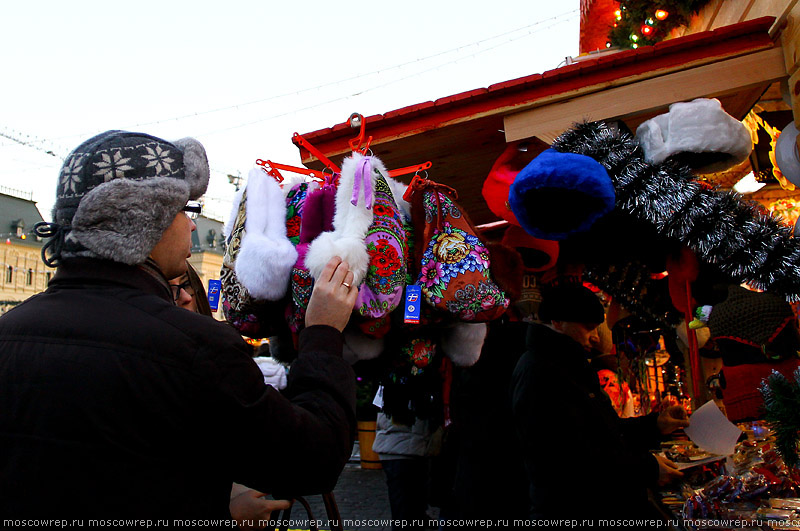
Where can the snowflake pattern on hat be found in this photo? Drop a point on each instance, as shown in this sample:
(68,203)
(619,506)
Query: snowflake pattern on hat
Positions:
(159,158)
(112,165)
(71,174)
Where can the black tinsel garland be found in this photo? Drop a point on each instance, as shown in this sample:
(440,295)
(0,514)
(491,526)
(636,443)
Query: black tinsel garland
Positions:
(782,404)
(739,237)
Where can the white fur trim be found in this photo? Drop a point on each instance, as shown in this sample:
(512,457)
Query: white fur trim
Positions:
(350,225)
(266,257)
(273,371)
(462,343)
(237,199)
(398,189)
(698,126)
(358,346)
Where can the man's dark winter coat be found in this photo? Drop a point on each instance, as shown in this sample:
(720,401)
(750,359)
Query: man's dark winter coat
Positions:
(582,459)
(116,403)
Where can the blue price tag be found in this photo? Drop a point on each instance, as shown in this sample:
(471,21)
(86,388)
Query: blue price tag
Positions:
(413,304)
(214,287)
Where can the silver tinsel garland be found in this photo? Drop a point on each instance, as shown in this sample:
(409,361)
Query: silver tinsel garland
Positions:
(739,237)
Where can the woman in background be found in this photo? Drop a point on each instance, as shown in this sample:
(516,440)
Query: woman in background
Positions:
(190,293)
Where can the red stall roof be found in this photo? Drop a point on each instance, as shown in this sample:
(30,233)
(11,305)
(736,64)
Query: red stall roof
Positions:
(463,134)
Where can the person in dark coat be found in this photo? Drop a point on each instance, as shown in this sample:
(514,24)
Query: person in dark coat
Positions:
(582,460)
(115,402)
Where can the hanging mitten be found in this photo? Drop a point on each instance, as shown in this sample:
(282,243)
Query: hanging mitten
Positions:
(266,256)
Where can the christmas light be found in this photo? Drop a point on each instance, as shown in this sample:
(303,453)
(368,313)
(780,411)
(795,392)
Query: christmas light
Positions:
(649,21)
(634,37)
(634,45)
(661,14)
(608,45)
(646,30)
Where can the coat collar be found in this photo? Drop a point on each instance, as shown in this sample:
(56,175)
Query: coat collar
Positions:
(146,277)
(555,346)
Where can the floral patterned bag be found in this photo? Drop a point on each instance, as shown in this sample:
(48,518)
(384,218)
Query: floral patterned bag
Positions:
(317,217)
(454,263)
(387,246)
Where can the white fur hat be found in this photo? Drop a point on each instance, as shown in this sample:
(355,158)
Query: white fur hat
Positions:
(703,135)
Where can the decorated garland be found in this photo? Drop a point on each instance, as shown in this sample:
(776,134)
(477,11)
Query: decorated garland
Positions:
(782,404)
(642,23)
(740,238)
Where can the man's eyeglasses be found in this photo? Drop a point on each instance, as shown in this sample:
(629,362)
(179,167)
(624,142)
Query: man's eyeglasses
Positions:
(192,210)
(176,289)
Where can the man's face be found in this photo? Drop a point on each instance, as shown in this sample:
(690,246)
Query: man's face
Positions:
(585,334)
(174,247)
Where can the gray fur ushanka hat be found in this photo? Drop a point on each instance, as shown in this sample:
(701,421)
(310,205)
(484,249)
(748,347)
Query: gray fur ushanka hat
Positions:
(118,192)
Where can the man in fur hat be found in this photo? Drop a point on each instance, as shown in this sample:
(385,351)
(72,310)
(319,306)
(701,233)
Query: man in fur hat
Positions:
(582,459)
(115,402)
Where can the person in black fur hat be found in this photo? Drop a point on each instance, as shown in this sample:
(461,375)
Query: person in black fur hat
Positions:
(556,391)
(124,405)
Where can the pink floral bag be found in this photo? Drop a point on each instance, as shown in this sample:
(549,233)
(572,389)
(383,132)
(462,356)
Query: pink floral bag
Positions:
(387,246)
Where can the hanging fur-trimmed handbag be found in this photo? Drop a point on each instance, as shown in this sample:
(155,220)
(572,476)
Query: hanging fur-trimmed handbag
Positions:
(317,217)
(369,235)
(454,263)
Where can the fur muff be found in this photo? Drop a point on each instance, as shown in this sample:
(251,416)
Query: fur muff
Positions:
(463,342)
(357,346)
(266,257)
(350,223)
(697,127)
(123,219)
(237,200)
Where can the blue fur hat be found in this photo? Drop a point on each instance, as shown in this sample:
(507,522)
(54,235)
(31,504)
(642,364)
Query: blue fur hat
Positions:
(558,194)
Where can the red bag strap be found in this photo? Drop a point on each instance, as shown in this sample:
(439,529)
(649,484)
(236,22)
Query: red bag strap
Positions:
(419,184)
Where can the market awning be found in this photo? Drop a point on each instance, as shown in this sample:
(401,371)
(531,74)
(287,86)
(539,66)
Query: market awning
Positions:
(463,134)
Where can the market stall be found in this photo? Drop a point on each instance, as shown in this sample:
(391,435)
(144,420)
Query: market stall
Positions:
(449,186)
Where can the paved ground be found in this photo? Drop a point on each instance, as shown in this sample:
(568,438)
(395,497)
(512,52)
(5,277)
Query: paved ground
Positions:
(362,499)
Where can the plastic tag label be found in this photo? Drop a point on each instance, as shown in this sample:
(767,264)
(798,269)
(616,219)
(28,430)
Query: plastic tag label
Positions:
(413,304)
(378,400)
(214,287)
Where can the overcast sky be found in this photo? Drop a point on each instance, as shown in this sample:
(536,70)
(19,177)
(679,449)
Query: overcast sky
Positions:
(242,76)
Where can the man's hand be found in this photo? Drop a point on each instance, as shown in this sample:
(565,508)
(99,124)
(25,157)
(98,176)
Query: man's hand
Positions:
(667,471)
(333,297)
(250,507)
(672,418)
